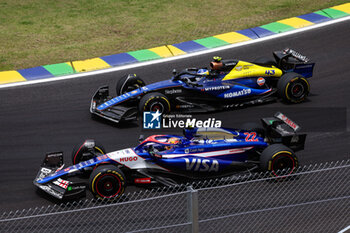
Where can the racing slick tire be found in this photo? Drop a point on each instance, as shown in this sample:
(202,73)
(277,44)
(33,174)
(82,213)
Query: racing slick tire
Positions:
(253,126)
(152,102)
(129,83)
(107,182)
(278,159)
(264,61)
(293,87)
(82,152)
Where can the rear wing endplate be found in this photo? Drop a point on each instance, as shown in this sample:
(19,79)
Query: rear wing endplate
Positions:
(288,121)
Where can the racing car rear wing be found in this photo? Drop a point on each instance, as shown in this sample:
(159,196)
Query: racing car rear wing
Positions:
(288,121)
(281,129)
(289,59)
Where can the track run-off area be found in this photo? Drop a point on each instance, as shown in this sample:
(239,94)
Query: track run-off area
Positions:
(54,116)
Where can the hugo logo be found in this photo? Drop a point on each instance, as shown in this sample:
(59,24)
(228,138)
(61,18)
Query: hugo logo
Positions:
(128,159)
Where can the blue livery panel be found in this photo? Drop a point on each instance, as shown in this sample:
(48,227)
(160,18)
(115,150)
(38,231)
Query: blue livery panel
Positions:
(74,168)
(139,91)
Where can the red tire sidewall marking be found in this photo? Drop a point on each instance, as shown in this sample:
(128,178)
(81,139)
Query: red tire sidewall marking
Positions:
(119,183)
(75,156)
(290,157)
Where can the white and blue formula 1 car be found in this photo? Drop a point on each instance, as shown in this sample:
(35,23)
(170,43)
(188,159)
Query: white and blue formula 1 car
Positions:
(227,84)
(201,153)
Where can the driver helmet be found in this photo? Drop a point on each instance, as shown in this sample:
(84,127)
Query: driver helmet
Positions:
(172,140)
(203,72)
(216,64)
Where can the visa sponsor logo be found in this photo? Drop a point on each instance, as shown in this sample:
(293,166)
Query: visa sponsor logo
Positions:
(238,93)
(202,165)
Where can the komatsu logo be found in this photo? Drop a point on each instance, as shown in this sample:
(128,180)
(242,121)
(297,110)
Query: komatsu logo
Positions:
(202,165)
(237,93)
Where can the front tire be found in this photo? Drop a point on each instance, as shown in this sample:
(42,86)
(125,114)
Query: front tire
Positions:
(153,102)
(82,152)
(107,182)
(293,87)
(278,159)
(129,83)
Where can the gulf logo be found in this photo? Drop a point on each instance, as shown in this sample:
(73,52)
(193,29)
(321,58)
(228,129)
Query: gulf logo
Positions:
(260,81)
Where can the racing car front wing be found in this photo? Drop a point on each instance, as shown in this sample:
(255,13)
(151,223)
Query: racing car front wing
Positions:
(58,188)
(115,113)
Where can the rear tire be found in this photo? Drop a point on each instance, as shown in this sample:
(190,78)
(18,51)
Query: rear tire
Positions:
(129,83)
(152,102)
(107,182)
(278,159)
(81,153)
(293,87)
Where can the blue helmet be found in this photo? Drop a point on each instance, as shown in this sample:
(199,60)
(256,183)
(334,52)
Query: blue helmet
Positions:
(203,72)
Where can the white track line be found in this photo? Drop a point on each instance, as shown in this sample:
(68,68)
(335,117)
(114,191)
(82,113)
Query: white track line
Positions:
(140,64)
(345,229)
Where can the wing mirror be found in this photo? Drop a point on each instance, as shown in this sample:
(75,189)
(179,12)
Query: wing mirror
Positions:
(141,138)
(154,152)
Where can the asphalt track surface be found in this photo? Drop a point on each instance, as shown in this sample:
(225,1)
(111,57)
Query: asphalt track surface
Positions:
(55,116)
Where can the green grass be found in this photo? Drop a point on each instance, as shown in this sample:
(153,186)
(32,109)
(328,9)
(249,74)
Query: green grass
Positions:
(40,32)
